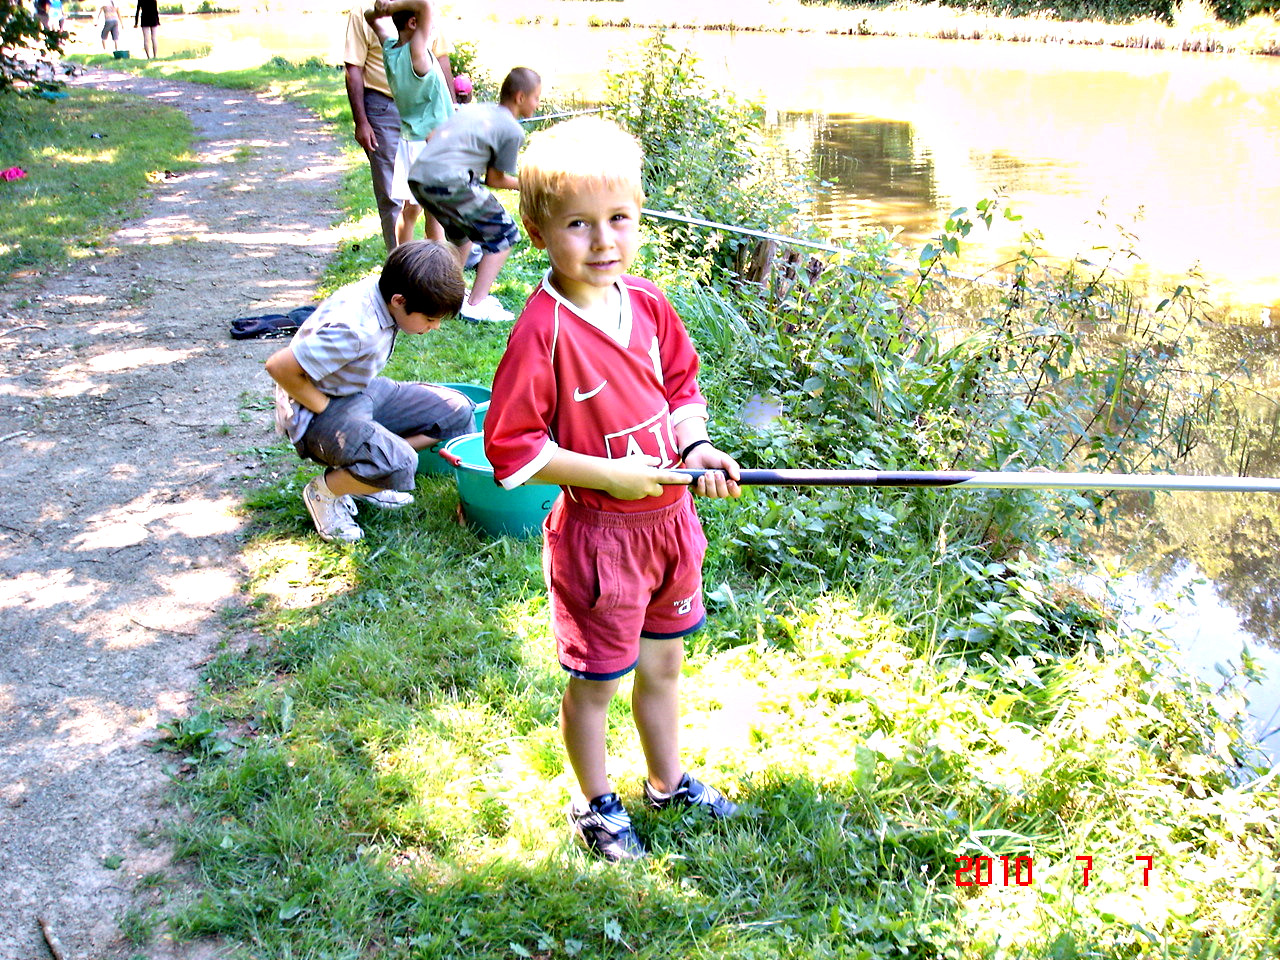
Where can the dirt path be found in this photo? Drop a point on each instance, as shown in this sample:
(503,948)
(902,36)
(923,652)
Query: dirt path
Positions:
(120,416)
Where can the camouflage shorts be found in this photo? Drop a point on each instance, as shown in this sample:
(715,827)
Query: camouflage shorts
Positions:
(468,211)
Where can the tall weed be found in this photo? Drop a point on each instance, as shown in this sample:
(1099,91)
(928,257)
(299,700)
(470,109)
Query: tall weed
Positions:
(702,153)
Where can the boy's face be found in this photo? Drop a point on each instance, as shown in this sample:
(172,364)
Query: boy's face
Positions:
(591,236)
(527,103)
(410,322)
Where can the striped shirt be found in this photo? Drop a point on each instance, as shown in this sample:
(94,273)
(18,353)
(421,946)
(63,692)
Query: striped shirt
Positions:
(341,347)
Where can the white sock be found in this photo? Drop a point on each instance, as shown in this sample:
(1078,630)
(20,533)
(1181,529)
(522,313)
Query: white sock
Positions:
(658,794)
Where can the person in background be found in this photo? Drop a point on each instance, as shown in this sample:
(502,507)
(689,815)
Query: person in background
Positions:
(111,19)
(377,122)
(422,98)
(147,16)
(462,88)
(473,151)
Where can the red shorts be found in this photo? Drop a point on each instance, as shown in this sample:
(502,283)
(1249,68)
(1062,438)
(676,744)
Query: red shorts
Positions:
(617,577)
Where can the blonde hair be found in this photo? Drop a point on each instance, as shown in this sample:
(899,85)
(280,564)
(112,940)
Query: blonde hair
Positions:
(584,151)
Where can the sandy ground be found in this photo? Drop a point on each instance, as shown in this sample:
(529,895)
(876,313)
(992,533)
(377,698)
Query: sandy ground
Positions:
(121,415)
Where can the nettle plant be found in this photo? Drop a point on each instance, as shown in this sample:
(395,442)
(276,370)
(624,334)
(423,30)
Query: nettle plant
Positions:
(703,155)
(888,364)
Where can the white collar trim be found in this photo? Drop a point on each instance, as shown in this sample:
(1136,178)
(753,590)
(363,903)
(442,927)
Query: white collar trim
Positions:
(619,332)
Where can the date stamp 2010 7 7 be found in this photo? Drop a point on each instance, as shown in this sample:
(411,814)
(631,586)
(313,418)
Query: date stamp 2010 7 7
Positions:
(1020,871)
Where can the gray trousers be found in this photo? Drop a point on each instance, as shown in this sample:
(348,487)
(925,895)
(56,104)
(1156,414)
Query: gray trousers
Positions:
(385,120)
(364,431)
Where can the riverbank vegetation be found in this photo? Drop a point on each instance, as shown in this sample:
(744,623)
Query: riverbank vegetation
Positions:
(1201,26)
(1108,11)
(1190,26)
(1198,26)
(944,748)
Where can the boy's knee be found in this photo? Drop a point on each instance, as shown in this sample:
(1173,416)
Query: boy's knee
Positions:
(454,415)
(660,660)
(461,419)
(380,459)
(400,467)
(593,694)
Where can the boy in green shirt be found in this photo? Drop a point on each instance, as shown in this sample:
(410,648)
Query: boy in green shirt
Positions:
(421,95)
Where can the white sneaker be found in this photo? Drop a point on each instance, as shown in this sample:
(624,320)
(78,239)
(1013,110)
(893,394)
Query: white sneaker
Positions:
(386,499)
(333,516)
(474,257)
(488,310)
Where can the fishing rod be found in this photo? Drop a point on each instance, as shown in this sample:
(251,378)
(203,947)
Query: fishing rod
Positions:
(557,116)
(762,234)
(1000,480)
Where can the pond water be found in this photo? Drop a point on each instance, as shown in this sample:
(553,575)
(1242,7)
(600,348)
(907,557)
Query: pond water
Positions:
(1180,150)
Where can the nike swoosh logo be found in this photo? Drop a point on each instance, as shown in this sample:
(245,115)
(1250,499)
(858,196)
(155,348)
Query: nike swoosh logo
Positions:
(580,396)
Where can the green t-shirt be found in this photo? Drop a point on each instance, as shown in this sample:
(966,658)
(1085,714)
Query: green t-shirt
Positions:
(424,102)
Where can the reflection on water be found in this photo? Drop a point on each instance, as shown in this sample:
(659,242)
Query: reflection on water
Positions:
(872,172)
(1208,631)
(1183,149)
(1228,540)
(1232,539)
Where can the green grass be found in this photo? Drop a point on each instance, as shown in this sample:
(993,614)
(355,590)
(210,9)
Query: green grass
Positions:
(88,160)
(403,793)
(381,772)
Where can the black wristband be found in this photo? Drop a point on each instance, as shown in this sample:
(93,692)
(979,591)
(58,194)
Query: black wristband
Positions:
(684,454)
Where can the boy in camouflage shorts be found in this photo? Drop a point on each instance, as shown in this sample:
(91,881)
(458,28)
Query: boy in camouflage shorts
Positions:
(466,157)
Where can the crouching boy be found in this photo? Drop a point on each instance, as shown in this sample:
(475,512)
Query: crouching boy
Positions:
(597,392)
(335,408)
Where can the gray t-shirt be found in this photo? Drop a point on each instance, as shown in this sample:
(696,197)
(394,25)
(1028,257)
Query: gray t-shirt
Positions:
(342,346)
(464,147)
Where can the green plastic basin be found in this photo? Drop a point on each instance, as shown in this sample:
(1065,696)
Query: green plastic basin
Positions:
(429,460)
(473,390)
(485,504)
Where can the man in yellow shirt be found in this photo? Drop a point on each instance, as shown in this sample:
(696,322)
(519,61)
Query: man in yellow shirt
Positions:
(377,121)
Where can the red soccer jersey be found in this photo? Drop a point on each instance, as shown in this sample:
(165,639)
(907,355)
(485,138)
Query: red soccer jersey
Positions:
(565,382)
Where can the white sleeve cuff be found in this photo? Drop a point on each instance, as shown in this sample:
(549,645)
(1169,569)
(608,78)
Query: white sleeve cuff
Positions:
(526,472)
(688,412)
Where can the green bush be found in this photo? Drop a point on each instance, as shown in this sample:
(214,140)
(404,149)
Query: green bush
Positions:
(701,151)
(19,29)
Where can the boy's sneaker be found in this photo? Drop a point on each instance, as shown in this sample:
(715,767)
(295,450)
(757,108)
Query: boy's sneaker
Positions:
(693,793)
(333,516)
(488,310)
(474,256)
(386,499)
(605,827)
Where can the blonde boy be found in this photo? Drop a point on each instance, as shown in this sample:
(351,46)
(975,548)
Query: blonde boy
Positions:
(597,392)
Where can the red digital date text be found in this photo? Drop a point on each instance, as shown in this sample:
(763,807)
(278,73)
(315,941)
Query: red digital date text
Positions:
(1019,871)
